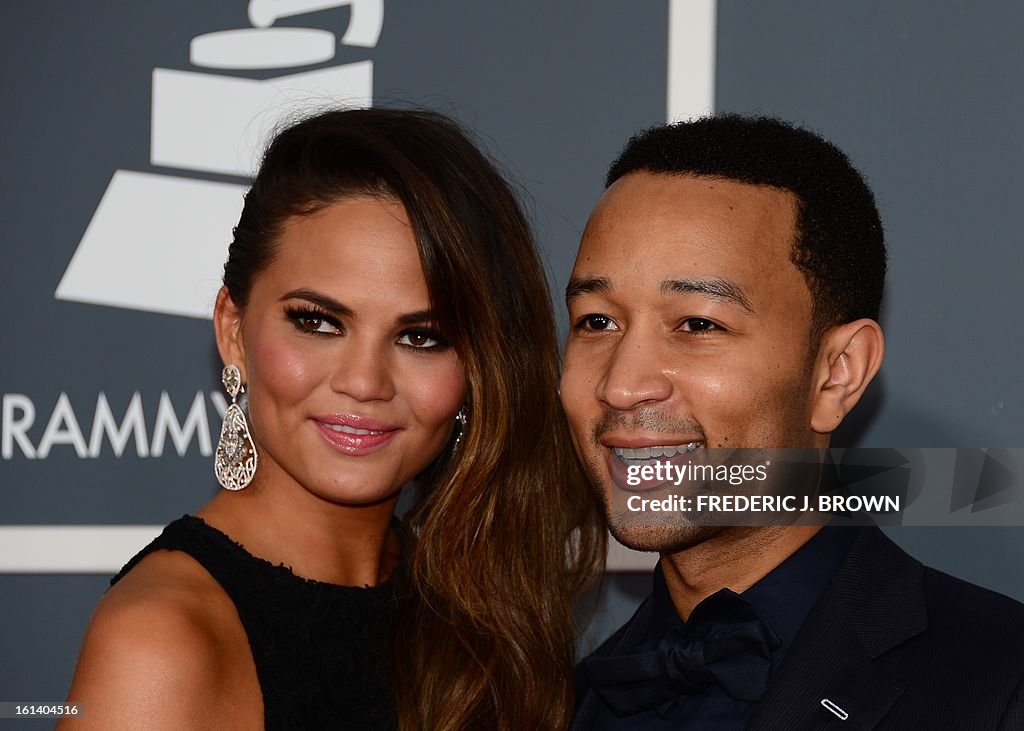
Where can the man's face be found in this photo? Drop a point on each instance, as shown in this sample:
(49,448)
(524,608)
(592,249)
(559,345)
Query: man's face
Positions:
(689,328)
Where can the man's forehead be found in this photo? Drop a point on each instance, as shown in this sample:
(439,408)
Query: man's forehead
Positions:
(676,234)
(663,216)
(648,196)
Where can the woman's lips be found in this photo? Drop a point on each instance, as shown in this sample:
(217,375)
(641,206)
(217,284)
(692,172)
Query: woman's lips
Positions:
(356,436)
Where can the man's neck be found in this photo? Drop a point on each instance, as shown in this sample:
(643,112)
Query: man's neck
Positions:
(735,558)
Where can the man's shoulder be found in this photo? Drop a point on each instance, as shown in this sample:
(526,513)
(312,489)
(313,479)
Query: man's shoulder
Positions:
(971,614)
(947,598)
(921,623)
(940,639)
(958,596)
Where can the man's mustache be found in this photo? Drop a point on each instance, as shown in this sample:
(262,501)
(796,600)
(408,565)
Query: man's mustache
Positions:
(645,419)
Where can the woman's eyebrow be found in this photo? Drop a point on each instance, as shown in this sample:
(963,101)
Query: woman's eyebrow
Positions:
(319,299)
(414,318)
(335,307)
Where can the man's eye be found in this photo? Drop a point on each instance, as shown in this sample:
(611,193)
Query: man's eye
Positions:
(421,339)
(596,323)
(698,325)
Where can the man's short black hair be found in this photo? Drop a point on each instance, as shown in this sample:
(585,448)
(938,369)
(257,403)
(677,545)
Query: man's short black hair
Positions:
(839,244)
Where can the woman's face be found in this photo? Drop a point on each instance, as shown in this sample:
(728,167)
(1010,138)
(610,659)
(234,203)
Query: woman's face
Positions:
(352,390)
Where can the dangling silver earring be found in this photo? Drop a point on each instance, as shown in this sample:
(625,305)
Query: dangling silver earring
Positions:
(235,460)
(460,423)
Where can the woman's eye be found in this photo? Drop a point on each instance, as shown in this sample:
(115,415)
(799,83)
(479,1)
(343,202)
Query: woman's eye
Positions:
(698,325)
(317,325)
(417,339)
(314,324)
(596,323)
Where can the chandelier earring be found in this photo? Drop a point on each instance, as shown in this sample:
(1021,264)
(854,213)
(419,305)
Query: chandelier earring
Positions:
(235,461)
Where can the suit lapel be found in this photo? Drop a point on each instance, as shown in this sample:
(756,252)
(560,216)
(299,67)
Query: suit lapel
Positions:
(875,603)
(825,661)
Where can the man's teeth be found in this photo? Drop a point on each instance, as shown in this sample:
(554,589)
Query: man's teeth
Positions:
(351,429)
(670,450)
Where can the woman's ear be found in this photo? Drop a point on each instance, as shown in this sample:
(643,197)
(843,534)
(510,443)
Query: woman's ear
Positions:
(227,327)
(849,356)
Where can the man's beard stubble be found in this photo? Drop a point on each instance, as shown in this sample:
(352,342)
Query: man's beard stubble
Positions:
(661,538)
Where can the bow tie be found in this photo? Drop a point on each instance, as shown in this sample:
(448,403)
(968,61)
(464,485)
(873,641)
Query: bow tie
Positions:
(724,643)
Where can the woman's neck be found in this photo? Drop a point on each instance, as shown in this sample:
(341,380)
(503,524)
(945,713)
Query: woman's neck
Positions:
(351,545)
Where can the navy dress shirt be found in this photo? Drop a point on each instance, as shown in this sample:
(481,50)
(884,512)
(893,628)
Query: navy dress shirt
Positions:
(782,599)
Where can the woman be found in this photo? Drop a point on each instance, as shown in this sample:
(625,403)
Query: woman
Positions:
(389,320)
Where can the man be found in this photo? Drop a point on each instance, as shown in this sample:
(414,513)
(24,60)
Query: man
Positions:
(726,294)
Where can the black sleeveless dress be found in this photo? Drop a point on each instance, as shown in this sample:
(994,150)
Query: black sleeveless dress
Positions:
(320,649)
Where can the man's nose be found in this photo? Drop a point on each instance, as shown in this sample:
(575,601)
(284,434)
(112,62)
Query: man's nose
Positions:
(634,375)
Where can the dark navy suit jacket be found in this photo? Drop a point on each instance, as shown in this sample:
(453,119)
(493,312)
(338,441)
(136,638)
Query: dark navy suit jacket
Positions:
(894,644)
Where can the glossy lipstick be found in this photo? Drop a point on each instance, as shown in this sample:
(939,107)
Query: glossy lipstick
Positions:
(355,435)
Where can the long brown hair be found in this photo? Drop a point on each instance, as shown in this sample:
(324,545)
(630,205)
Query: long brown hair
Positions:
(505,534)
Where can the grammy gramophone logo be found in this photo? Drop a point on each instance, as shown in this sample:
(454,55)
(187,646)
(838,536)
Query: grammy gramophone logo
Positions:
(157,240)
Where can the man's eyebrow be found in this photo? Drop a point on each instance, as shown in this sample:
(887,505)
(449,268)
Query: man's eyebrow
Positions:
(719,289)
(587,285)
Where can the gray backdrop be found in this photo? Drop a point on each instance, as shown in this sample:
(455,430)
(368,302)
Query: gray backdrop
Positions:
(925,97)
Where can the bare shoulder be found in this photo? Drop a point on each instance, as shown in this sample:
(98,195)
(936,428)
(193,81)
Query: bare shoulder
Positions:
(165,649)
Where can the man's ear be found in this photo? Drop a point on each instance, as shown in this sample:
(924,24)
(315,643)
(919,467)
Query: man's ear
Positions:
(227,327)
(849,356)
